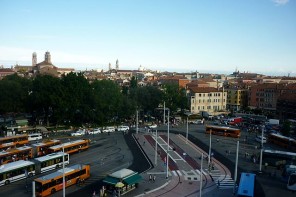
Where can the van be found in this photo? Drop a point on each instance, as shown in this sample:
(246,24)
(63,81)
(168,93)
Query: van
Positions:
(34,136)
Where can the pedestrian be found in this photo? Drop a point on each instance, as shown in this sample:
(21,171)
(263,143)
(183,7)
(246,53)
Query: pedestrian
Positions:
(154,177)
(144,143)
(150,178)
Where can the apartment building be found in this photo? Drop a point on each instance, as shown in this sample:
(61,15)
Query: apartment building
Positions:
(237,99)
(207,99)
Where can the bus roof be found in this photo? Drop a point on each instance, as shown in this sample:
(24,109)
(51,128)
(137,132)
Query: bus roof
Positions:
(45,143)
(246,185)
(22,148)
(50,156)
(15,165)
(279,152)
(222,127)
(66,144)
(14,136)
(60,172)
(282,136)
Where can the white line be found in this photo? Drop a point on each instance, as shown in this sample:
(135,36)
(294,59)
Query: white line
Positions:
(174,173)
(178,171)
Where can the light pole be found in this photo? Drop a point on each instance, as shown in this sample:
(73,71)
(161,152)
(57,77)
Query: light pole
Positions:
(168,147)
(187,114)
(235,170)
(200,182)
(164,112)
(137,123)
(210,147)
(155,159)
(64,184)
(261,151)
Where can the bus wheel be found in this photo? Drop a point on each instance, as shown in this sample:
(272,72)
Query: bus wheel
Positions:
(30,174)
(57,166)
(7,182)
(53,191)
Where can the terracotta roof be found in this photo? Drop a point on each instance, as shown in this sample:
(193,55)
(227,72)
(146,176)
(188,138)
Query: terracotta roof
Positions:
(6,70)
(204,89)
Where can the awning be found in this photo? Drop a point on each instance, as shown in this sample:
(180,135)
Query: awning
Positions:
(132,179)
(111,180)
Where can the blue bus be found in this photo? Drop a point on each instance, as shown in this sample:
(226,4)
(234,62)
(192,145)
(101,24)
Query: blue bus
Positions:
(246,186)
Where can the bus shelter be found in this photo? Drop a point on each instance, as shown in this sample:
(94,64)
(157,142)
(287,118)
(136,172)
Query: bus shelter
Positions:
(122,181)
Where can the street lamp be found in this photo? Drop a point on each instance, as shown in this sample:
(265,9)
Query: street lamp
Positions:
(137,123)
(261,151)
(168,147)
(187,114)
(210,148)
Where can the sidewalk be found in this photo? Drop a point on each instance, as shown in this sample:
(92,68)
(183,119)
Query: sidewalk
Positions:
(172,186)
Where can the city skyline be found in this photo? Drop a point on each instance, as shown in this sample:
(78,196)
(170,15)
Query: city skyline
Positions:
(212,36)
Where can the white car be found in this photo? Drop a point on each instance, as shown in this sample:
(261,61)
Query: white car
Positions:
(123,128)
(95,131)
(258,139)
(153,126)
(108,129)
(79,132)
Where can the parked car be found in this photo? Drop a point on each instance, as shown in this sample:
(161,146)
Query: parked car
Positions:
(259,139)
(95,131)
(79,132)
(108,129)
(153,126)
(123,128)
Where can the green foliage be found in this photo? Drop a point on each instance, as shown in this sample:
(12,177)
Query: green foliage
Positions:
(72,100)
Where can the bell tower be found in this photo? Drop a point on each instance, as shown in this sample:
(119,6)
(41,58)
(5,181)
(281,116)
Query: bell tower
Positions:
(34,59)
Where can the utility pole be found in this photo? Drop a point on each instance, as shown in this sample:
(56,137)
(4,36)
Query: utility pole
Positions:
(137,123)
(200,182)
(155,159)
(235,170)
(168,147)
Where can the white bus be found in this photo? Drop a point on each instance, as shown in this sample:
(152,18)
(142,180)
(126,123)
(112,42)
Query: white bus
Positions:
(15,171)
(51,161)
(35,136)
(21,169)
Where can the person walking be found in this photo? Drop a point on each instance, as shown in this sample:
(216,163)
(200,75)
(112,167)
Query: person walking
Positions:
(150,178)
(154,177)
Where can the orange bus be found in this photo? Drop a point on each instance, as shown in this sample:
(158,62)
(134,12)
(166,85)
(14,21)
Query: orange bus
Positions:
(223,131)
(41,149)
(51,183)
(70,147)
(13,141)
(15,154)
(283,141)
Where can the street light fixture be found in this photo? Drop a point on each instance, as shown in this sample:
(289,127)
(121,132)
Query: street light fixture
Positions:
(168,147)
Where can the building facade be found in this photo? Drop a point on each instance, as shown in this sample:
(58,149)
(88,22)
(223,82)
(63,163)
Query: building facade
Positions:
(237,99)
(207,99)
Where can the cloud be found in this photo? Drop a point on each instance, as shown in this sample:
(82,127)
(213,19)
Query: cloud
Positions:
(281,2)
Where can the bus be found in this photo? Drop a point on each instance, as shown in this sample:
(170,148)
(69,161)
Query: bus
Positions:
(41,148)
(21,169)
(34,136)
(287,171)
(223,131)
(283,141)
(51,183)
(278,158)
(15,171)
(71,147)
(292,182)
(246,185)
(20,153)
(13,141)
(50,162)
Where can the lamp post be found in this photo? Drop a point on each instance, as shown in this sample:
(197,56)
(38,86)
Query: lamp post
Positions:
(261,151)
(200,182)
(164,112)
(235,170)
(64,184)
(155,159)
(168,147)
(137,123)
(210,148)
(187,114)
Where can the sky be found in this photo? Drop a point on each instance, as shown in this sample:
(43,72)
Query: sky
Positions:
(217,36)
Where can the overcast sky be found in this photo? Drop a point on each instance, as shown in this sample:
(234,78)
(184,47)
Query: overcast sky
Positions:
(172,35)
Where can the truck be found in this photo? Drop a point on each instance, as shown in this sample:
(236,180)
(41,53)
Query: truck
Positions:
(235,120)
(274,121)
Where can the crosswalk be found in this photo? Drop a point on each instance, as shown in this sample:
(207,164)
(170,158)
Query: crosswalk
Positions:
(222,181)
